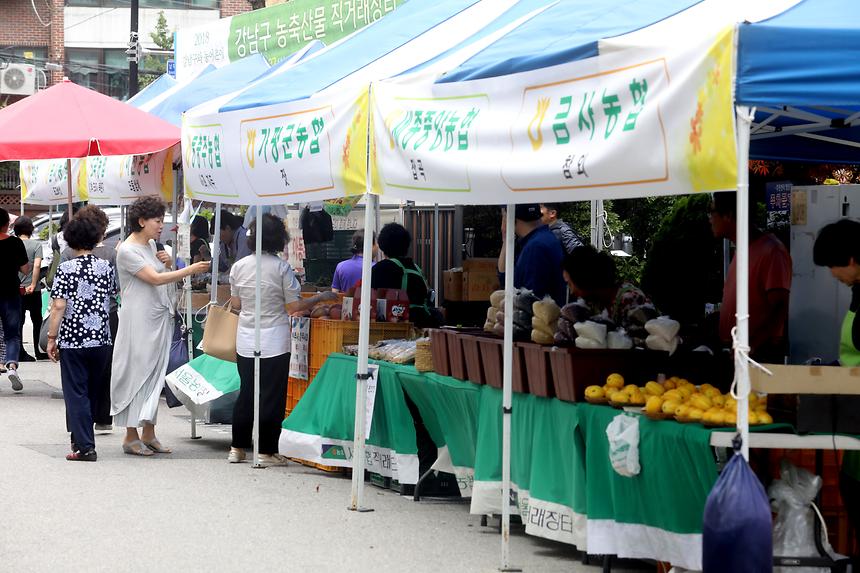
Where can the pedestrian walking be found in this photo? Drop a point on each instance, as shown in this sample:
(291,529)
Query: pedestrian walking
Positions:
(31,301)
(13,260)
(147,308)
(79,330)
(101,403)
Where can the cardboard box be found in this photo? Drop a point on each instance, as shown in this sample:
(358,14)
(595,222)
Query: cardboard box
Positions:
(806,380)
(453,284)
(479,285)
(485,265)
(820,399)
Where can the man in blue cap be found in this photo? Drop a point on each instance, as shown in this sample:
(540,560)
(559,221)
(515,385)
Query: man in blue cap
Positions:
(537,263)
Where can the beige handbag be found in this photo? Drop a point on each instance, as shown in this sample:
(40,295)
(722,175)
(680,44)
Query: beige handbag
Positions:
(219,335)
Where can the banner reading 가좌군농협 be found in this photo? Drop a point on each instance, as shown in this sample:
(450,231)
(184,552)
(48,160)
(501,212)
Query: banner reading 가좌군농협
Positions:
(307,150)
(632,123)
(276,31)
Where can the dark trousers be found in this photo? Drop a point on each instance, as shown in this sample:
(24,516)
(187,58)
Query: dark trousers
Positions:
(273,400)
(82,374)
(850,490)
(10,317)
(101,402)
(32,303)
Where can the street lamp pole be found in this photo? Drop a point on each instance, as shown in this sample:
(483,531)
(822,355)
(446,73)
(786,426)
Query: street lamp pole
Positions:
(134,44)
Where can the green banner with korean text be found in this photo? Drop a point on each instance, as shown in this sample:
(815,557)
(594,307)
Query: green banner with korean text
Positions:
(276,32)
(654,120)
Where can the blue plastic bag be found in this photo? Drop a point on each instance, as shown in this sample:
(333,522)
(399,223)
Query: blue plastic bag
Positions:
(737,530)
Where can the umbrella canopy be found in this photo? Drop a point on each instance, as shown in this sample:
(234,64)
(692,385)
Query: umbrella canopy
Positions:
(67,121)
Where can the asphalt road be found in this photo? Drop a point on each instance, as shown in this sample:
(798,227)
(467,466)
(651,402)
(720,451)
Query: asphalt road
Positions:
(192,511)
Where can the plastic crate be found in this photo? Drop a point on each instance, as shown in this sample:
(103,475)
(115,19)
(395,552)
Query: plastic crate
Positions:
(329,336)
(296,388)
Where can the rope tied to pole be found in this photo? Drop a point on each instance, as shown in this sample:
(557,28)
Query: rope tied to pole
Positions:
(743,360)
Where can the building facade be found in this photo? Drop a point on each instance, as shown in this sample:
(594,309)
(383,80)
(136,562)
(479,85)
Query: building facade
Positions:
(87,39)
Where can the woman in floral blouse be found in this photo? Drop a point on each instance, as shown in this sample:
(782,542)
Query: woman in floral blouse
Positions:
(80,329)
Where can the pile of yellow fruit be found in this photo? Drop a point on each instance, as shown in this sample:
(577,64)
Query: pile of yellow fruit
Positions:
(680,399)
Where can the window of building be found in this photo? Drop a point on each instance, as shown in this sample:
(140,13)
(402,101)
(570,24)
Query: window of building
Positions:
(105,71)
(26,55)
(159,4)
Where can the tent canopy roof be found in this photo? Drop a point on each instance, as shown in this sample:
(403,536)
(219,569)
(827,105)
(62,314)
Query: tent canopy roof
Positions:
(68,121)
(567,31)
(358,51)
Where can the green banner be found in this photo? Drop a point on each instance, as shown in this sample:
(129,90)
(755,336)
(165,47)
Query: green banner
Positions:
(278,31)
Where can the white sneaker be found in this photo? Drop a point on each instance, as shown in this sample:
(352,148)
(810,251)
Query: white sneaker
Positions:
(15,380)
(269,460)
(236,455)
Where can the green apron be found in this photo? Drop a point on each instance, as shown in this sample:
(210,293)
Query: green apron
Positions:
(849,356)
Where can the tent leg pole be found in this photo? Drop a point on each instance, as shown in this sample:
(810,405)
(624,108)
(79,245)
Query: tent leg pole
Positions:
(69,186)
(257,311)
(436,262)
(507,393)
(357,494)
(216,255)
(741,339)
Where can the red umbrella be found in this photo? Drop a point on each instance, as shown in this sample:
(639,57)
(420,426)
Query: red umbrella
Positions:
(69,121)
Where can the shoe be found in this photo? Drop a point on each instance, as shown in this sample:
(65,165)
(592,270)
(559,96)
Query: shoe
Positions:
(24,357)
(42,356)
(269,460)
(137,448)
(236,455)
(15,379)
(79,456)
(157,448)
(103,428)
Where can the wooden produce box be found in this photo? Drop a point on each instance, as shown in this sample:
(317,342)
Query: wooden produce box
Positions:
(453,285)
(821,399)
(479,285)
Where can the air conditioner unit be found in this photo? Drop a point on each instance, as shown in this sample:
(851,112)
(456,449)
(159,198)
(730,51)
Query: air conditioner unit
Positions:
(18,79)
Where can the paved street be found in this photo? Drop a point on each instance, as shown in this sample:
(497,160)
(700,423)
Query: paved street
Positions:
(193,511)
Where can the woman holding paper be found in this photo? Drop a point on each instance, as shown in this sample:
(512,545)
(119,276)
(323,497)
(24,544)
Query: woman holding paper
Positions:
(147,310)
(280,295)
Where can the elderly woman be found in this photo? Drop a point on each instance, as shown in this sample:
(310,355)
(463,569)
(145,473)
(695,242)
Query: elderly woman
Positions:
(280,292)
(80,327)
(147,310)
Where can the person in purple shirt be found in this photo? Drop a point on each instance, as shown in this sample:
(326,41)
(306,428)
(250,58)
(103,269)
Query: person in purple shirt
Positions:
(348,272)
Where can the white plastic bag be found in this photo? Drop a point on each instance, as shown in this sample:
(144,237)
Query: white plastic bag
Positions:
(619,340)
(793,530)
(663,327)
(592,330)
(623,434)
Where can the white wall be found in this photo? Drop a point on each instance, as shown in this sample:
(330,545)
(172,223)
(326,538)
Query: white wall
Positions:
(109,27)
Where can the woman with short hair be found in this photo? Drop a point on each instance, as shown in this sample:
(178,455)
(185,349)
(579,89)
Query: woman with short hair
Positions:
(31,299)
(399,271)
(280,294)
(147,308)
(348,272)
(80,327)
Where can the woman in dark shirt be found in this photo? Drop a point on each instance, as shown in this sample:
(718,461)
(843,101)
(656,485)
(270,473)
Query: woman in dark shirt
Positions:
(398,271)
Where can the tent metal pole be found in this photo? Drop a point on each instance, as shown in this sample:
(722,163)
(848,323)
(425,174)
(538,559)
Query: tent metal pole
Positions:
(357,496)
(216,256)
(257,310)
(741,339)
(437,264)
(507,395)
(51,225)
(595,238)
(69,185)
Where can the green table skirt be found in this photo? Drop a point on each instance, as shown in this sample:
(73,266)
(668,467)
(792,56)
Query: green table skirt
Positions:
(564,485)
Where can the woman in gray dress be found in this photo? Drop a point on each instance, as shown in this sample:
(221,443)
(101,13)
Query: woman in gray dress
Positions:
(145,331)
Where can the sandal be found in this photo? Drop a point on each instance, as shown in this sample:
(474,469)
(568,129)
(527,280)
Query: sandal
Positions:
(136,448)
(157,448)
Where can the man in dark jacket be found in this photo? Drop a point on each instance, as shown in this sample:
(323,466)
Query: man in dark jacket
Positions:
(566,236)
(537,264)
